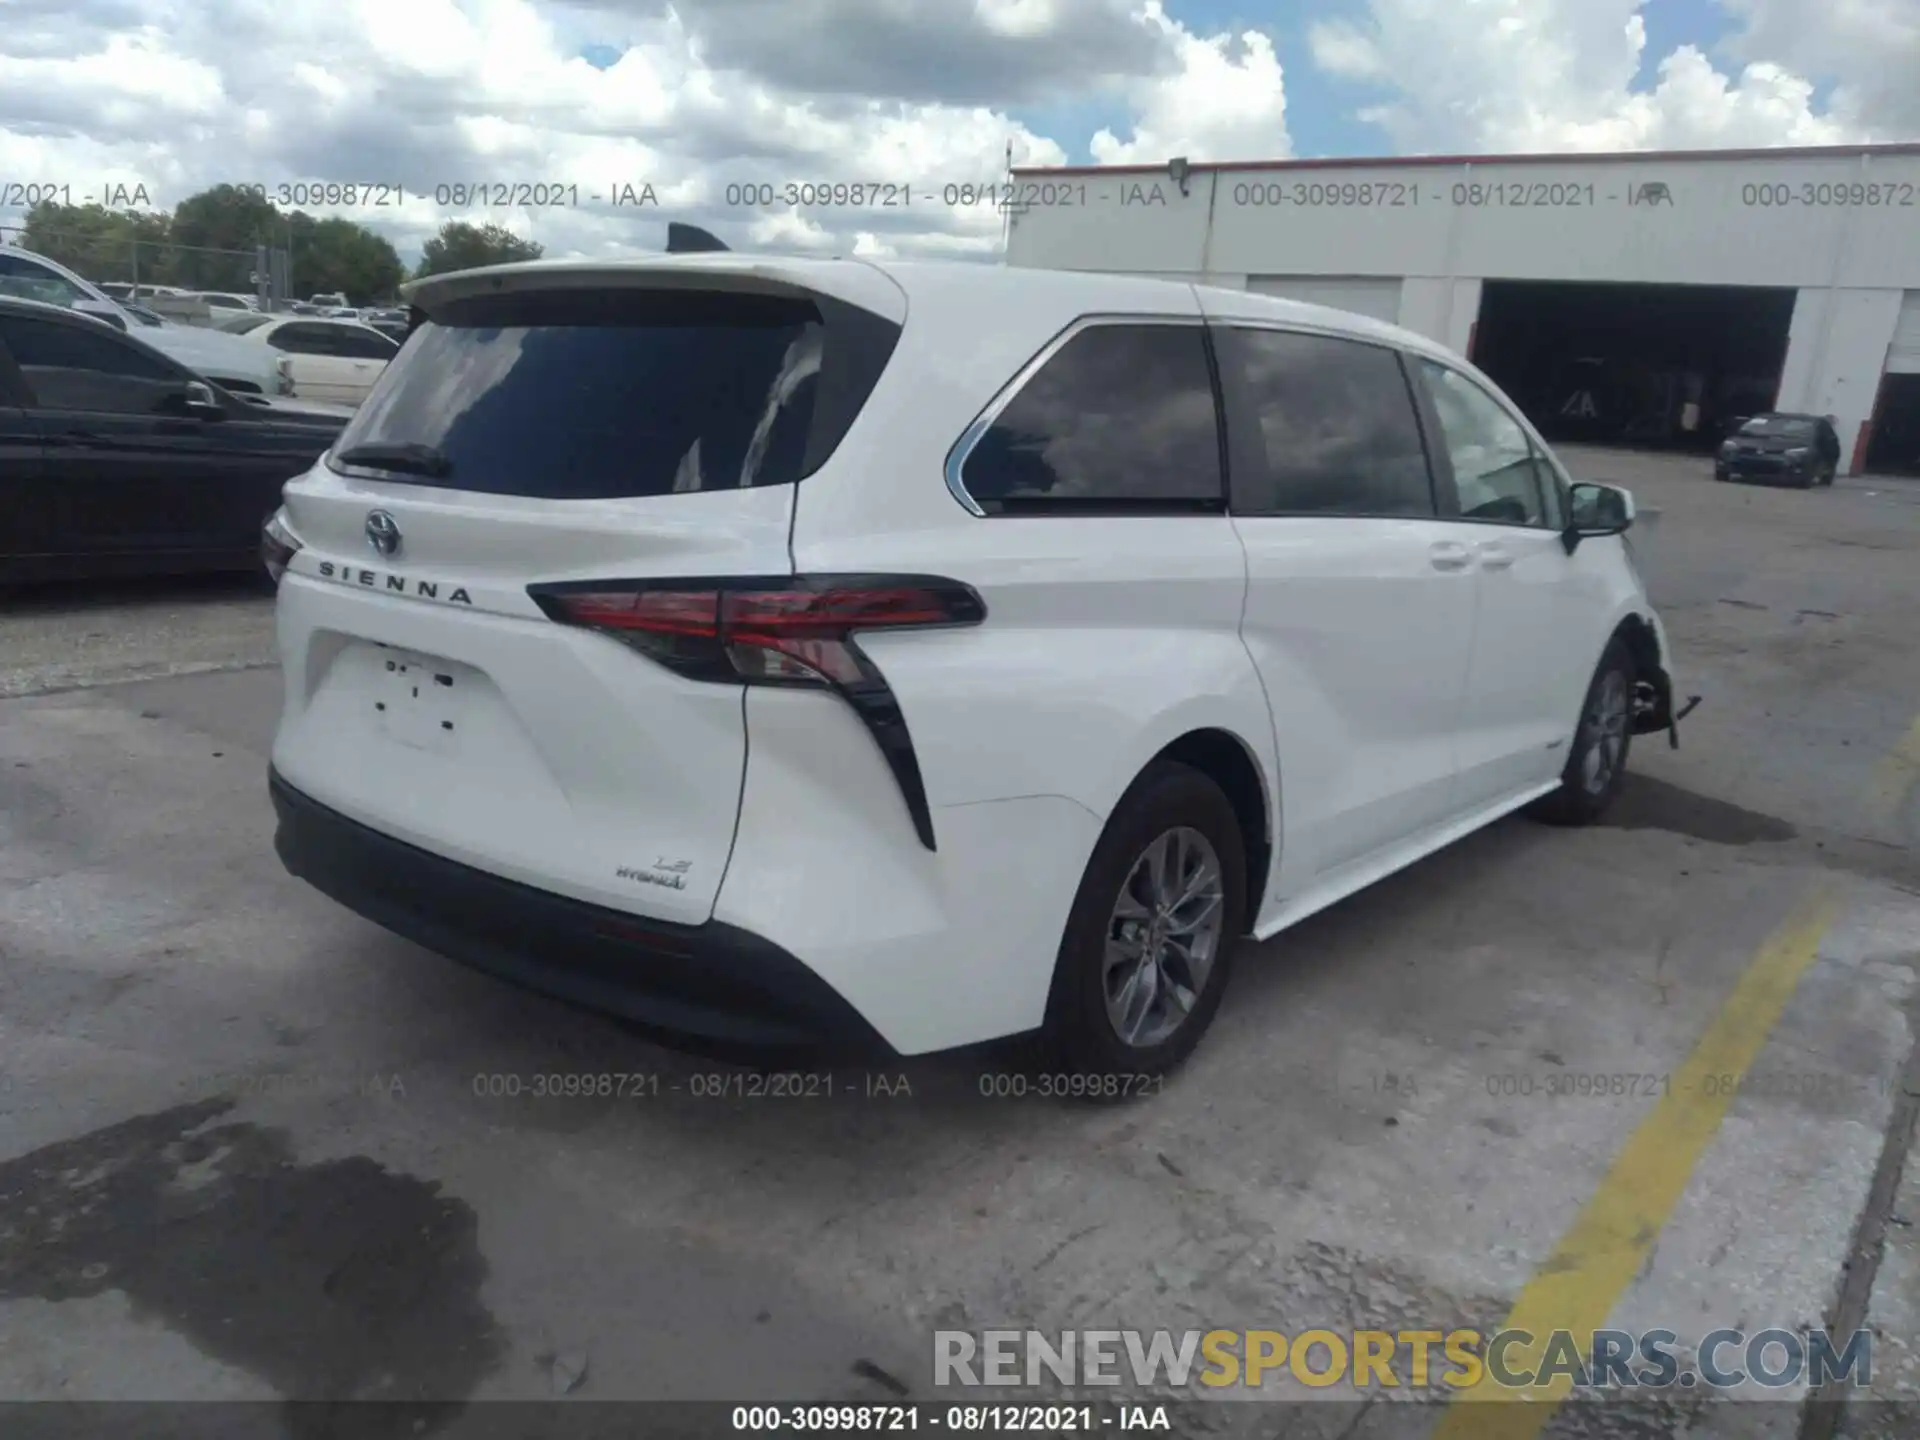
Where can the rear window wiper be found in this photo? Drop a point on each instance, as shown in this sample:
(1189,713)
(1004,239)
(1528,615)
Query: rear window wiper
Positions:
(408,456)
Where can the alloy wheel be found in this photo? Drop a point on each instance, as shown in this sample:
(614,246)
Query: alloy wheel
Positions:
(1163,937)
(1603,733)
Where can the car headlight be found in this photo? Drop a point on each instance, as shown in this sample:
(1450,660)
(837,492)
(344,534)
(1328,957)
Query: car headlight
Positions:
(283,371)
(1799,452)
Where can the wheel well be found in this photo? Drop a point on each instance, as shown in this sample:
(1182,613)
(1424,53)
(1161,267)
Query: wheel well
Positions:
(1221,757)
(1642,644)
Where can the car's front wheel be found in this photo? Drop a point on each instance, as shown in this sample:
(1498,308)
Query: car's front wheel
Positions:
(1597,760)
(1151,935)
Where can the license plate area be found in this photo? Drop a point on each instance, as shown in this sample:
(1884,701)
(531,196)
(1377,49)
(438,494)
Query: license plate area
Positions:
(421,701)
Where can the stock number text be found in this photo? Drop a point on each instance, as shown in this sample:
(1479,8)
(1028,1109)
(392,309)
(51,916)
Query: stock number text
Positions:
(1376,194)
(1866,193)
(301,193)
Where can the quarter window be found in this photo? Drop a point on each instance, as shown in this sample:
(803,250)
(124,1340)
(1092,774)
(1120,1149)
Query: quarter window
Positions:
(1337,425)
(1496,471)
(1121,418)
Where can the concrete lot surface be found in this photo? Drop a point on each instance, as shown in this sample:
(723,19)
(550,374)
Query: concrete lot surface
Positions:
(249,1146)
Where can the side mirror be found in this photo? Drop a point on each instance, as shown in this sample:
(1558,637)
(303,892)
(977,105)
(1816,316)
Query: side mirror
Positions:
(198,400)
(1596,510)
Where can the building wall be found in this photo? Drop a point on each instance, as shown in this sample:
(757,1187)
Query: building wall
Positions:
(1652,219)
(1841,228)
(1836,350)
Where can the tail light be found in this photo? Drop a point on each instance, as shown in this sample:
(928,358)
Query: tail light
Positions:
(277,545)
(791,631)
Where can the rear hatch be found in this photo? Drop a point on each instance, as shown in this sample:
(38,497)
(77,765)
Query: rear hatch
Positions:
(561,426)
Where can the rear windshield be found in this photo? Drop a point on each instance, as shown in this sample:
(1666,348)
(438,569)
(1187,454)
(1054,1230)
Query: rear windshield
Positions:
(1777,425)
(612,394)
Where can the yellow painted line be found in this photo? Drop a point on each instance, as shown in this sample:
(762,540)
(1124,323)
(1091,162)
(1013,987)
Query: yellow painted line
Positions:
(1578,1285)
(1581,1281)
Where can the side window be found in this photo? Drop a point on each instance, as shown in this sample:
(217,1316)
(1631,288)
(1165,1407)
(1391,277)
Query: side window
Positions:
(1495,469)
(70,367)
(304,340)
(360,344)
(1120,418)
(1338,426)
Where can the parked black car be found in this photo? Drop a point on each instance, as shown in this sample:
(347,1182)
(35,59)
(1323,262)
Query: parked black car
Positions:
(115,460)
(1778,449)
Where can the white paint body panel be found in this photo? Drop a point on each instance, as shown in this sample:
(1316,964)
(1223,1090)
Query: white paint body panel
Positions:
(1331,650)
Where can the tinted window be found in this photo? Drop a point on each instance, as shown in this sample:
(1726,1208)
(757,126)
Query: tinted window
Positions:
(625,393)
(75,367)
(1337,423)
(1495,470)
(305,340)
(360,344)
(1121,416)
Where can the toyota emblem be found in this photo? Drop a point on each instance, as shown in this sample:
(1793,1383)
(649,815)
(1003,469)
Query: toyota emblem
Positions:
(383,533)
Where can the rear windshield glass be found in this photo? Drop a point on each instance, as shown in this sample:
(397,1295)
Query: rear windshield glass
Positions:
(1777,425)
(578,395)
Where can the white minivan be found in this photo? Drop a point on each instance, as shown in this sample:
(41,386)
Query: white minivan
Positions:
(775,649)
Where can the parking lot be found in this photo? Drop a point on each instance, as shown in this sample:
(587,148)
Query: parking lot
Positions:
(251,1146)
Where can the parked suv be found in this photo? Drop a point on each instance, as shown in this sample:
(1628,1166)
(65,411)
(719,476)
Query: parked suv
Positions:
(770,648)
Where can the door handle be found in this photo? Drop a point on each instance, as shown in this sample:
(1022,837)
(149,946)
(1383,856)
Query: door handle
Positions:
(1449,555)
(1493,556)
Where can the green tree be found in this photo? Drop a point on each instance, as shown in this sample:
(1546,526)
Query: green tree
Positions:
(222,226)
(460,246)
(338,255)
(97,242)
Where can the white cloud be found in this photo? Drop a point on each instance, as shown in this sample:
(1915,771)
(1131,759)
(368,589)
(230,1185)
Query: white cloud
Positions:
(432,93)
(1871,48)
(1226,101)
(1524,75)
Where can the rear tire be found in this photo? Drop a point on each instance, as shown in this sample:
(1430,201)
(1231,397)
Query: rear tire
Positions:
(1149,942)
(1597,759)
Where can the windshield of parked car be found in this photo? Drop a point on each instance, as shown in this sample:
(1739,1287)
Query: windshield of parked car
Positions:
(240,324)
(1785,426)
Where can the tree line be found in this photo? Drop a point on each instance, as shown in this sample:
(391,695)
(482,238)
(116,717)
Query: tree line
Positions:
(208,240)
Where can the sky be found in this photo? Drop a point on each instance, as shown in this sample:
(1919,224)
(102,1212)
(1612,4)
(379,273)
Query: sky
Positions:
(694,96)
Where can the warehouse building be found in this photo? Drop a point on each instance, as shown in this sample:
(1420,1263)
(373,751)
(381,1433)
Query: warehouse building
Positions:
(1646,298)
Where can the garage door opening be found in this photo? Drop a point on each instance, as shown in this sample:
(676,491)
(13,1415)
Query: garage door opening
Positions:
(1666,366)
(1893,448)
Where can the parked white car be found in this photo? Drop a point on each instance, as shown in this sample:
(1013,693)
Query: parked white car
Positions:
(239,365)
(333,360)
(224,300)
(767,648)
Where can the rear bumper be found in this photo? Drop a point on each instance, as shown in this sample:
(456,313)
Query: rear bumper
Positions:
(714,982)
